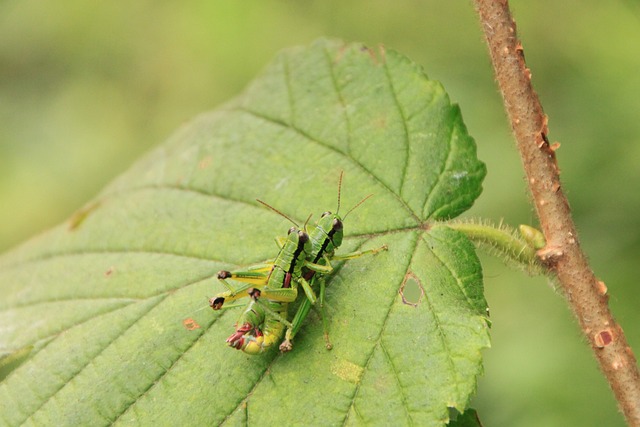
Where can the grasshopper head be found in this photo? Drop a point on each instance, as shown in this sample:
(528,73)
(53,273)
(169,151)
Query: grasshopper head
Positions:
(329,231)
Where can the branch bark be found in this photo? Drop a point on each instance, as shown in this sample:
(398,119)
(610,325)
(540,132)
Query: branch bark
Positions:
(586,295)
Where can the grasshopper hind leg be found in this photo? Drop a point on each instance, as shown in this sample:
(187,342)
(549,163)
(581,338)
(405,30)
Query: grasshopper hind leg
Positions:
(301,314)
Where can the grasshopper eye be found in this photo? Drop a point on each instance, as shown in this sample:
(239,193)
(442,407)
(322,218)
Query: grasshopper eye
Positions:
(327,213)
(302,236)
(291,230)
(337,224)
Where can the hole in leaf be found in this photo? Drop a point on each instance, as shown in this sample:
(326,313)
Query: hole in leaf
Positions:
(411,290)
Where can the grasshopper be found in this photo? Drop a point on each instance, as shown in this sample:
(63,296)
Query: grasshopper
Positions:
(324,239)
(262,323)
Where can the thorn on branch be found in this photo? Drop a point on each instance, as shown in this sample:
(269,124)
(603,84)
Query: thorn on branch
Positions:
(602,288)
(543,141)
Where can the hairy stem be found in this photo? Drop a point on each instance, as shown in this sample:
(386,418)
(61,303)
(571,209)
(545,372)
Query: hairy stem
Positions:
(502,241)
(562,254)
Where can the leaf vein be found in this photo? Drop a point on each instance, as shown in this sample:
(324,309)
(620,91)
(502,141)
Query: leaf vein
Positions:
(458,280)
(378,339)
(244,403)
(346,156)
(166,291)
(443,340)
(398,382)
(461,196)
(445,166)
(406,139)
(79,371)
(341,99)
(181,354)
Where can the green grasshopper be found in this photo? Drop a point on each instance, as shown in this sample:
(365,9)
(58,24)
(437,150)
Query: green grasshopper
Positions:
(325,238)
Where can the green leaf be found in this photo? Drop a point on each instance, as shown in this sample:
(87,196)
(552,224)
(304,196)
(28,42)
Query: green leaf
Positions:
(113,304)
(468,419)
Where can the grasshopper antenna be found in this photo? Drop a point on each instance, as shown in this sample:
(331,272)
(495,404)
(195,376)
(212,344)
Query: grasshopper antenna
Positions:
(304,227)
(339,190)
(358,204)
(279,213)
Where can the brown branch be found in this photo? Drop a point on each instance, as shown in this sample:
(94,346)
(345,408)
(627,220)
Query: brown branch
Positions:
(586,295)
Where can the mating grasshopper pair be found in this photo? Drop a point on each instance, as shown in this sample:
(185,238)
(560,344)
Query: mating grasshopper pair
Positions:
(273,285)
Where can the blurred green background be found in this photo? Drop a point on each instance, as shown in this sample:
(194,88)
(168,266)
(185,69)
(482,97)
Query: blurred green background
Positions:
(87,88)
